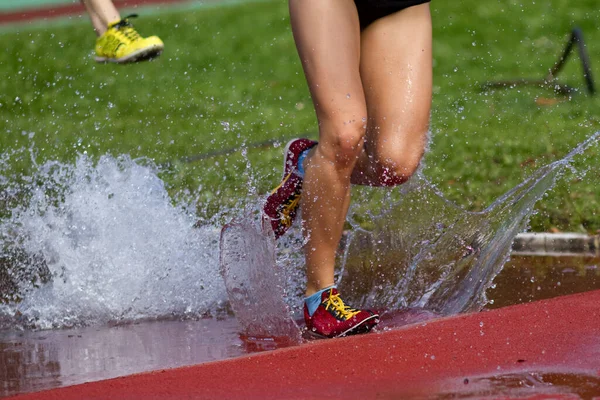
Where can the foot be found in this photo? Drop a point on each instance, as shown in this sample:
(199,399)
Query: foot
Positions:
(283,202)
(335,319)
(122,44)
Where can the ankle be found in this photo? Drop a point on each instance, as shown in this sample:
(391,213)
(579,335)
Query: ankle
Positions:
(312,301)
(312,289)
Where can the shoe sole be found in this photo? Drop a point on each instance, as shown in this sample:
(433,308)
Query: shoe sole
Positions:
(356,329)
(360,328)
(140,55)
(284,176)
(285,153)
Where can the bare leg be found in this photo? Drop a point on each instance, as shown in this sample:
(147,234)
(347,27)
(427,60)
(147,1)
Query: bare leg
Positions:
(385,70)
(327,35)
(396,73)
(102,13)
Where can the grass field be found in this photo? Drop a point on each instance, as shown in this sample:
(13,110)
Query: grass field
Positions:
(230,76)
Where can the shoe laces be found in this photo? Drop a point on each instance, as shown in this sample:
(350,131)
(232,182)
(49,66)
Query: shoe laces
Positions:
(336,303)
(288,208)
(126,28)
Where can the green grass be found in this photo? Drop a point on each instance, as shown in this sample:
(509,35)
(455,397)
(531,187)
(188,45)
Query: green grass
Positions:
(230,75)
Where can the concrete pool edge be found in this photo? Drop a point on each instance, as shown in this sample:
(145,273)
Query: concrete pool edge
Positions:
(532,243)
(548,244)
(559,335)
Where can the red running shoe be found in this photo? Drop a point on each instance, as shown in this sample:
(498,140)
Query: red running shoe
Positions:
(335,319)
(283,202)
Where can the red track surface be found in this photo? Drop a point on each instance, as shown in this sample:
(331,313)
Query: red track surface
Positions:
(560,336)
(68,9)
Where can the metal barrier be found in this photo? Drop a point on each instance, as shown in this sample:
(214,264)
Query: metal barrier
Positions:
(550,80)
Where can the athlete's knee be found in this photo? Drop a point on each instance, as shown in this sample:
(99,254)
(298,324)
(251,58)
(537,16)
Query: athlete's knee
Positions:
(398,160)
(397,171)
(342,141)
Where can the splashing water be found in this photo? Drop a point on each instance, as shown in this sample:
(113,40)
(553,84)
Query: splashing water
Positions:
(102,242)
(421,252)
(248,262)
(110,246)
(426,252)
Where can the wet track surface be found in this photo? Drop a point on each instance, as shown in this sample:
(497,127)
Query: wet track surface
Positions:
(38,360)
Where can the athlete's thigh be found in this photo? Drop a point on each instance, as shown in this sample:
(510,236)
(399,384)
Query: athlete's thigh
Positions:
(327,35)
(396,71)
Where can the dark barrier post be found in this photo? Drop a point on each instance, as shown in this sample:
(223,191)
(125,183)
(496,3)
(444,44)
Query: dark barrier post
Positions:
(549,81)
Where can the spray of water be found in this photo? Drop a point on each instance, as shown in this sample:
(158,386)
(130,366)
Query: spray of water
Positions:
(99,242)
(426,252)
(103,242)
(420,252)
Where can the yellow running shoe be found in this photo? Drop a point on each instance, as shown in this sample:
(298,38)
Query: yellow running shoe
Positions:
(122,44)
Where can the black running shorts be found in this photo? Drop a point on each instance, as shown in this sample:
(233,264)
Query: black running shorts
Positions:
(371,10)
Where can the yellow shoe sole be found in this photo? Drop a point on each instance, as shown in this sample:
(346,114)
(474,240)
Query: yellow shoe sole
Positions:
(147,53)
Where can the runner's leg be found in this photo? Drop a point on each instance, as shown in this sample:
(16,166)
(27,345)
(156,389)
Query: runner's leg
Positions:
(396,72)
(327,35)
(102,13)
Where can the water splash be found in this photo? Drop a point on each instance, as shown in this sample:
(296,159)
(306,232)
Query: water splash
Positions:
(254,283)
(113,247)
(422,252)
(98,242)
(426,252)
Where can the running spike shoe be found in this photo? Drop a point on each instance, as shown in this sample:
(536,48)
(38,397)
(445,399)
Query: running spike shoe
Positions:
(282,204)
(335,319)
(122,44)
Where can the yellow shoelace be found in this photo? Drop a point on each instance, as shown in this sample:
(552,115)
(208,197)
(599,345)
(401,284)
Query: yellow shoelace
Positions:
(288,208)
(339,307)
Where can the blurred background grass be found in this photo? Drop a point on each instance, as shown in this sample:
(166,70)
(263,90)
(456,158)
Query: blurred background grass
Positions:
(230,77)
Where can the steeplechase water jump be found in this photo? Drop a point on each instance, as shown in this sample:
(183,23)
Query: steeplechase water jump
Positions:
(432,232)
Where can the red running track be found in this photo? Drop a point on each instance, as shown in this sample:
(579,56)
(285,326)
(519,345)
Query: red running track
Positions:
(74,8)
(558,337)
